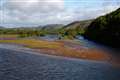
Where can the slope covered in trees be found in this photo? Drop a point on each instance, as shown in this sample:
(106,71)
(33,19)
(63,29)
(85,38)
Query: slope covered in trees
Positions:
(105,29)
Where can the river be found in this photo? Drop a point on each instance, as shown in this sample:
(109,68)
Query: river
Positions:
(19,63)
(85,43)
(91,44)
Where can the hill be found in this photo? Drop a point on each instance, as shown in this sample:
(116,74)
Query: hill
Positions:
(76,24)
(105,29)
(75,28)
(52,26)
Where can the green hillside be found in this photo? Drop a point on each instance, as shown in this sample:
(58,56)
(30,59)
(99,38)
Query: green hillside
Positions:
(105,29)
(78,24)
(75,28)
(52,28)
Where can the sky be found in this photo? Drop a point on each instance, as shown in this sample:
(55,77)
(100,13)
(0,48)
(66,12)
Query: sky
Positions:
(20,13)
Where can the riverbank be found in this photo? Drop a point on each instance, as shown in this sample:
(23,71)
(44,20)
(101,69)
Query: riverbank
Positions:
(62,48)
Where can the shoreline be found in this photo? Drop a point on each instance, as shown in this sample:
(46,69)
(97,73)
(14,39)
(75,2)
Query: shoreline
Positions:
(44,51)
(47,51)
(24,49)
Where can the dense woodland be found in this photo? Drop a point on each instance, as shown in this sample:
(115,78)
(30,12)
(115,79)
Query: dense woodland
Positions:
(105,29)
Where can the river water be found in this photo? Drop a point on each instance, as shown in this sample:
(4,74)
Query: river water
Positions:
(16,64)
(91,44)
(85,43)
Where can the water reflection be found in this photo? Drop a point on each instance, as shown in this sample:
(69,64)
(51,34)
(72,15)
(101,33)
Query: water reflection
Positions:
(91,44)
(50,37)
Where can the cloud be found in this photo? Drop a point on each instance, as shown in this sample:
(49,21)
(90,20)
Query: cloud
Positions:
(41,12)
(35,5)
(31,11)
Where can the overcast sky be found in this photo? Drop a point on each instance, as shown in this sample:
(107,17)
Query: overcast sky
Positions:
(15,13)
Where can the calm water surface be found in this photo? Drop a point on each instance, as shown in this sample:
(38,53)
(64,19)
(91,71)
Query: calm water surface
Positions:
(91,44)
(17,65)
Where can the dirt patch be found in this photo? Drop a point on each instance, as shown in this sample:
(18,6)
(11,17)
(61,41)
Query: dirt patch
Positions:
(82,53)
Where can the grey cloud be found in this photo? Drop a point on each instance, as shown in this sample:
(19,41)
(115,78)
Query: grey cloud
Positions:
(31,6)
(40,12)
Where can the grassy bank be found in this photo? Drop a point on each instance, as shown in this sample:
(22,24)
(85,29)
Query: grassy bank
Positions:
(8,36)
(60,48)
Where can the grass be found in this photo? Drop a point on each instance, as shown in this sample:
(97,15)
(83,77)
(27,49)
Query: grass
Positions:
(8,36)
(32,43)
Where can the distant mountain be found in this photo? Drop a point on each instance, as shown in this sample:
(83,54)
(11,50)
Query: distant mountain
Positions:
(1,27)
(29,28)
(52,26)
(75,28)
(105,29)
(78,24)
